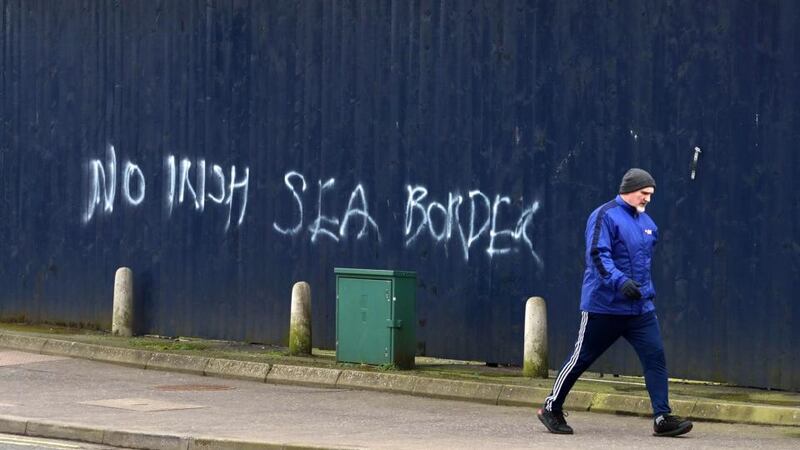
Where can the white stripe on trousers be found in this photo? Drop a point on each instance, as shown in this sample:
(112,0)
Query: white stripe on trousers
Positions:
(570,364)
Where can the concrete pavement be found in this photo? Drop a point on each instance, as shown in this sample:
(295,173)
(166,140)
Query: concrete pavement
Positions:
(474,383)
(61,397)
(451,380)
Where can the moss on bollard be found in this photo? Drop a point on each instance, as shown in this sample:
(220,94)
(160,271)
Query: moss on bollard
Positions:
(300,320)
(299,343)
(534,368)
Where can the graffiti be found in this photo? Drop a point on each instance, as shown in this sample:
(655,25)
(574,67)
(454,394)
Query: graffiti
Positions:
(324,224)
(318,227)
(103,184)
(287,180)
(442,222)
(498,225)
(354,212)
(102,193)
(132,169)
(195,194)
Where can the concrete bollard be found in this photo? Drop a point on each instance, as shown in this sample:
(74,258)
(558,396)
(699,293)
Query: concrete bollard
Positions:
(535,351)
(300,320)
(122,318)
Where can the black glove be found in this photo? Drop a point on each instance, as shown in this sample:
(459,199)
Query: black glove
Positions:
(630,289)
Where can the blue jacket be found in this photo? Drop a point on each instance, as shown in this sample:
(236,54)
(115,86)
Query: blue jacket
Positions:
(619,246)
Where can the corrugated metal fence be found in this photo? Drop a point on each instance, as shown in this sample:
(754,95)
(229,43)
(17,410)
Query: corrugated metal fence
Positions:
(225,149)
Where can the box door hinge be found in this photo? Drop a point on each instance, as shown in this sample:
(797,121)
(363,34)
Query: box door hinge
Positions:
(394,323)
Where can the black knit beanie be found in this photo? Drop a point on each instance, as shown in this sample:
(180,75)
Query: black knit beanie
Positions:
(635,179)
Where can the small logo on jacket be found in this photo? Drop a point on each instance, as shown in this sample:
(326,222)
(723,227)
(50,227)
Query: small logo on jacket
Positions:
(648,231)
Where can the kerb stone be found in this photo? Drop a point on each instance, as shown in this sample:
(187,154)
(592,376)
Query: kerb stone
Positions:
(242,370)
(134,439)
(522,396)
(178,363)
(65,431)
(311,376)
(458,390)
(13,425)
(376,381)
(28,343)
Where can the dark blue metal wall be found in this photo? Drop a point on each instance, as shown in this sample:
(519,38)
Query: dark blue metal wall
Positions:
(226,149)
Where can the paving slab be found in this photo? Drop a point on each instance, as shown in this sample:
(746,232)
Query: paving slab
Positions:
(711,402)
(13,358)
(50,401)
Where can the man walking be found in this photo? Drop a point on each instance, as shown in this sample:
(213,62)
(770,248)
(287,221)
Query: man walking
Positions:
(617,301)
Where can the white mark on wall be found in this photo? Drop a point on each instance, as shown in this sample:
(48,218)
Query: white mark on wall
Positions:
(494,233)
(360,211)
(186,182)
(356,214)
(169,168)
(424,217)
(287,180)
(219,190)
(242,184)
(200,199)
(318,226)
(196,186)
(186,185)
(442,233)
(103,184)
(132,170)
(695,157)
(415,195)
(453,203)
(216,172)
(473,236)
(521,230)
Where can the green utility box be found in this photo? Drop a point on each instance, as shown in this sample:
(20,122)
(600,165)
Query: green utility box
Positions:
(375,315)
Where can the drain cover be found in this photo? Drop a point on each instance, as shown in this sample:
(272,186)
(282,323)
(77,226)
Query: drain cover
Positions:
(193,387)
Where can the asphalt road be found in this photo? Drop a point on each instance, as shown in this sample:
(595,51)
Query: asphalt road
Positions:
(103,395)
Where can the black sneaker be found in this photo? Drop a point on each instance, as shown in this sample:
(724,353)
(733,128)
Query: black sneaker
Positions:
(668,425)
(554,421)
